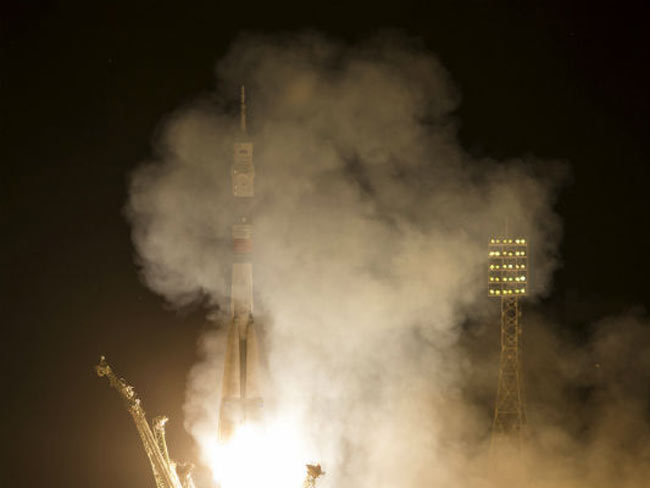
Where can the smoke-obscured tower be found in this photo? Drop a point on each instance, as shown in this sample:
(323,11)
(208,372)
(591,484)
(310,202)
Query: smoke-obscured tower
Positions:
(241,399)
(508,281)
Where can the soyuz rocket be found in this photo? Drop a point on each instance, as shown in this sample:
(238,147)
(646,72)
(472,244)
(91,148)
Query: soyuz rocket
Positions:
(241,399)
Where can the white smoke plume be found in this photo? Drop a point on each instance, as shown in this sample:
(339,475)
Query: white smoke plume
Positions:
(588,399)
(370,231)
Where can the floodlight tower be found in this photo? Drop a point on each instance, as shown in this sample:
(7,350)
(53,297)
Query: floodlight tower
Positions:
(508,280)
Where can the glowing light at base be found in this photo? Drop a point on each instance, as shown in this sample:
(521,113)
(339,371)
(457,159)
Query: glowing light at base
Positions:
(271,457)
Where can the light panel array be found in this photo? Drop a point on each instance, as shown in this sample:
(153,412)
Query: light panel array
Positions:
(507,267)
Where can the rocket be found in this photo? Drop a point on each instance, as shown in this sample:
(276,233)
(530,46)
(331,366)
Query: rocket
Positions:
(241,399)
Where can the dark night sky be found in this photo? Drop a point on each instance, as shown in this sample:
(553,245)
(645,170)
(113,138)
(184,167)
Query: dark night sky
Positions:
(83,87)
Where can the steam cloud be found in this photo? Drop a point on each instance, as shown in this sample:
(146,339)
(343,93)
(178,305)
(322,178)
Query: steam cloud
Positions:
(370,232)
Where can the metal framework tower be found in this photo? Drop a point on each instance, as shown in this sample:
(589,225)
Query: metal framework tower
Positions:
(508,280)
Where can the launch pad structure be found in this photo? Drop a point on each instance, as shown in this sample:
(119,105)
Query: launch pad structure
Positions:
(166,472)
(508,281)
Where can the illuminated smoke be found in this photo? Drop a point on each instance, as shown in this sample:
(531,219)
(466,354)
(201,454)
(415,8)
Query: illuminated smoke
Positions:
(370,232)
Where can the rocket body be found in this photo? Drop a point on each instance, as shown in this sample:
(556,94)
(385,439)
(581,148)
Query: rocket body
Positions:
(241,399)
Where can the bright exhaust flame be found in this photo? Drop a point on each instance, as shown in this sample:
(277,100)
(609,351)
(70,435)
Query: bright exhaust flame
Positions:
(257,456)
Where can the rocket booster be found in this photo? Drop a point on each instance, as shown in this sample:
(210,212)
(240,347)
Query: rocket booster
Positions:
(241,399)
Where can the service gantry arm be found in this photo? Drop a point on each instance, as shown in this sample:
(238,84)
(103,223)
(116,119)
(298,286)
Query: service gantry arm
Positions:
(153,440)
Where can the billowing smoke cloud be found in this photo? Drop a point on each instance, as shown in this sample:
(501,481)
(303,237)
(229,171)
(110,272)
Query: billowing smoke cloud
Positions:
(588,399)
(370,232)
(593,404)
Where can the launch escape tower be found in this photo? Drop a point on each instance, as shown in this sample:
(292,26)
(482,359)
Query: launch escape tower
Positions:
(508,281)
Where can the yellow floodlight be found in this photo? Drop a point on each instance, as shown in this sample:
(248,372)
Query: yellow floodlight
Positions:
(507,265)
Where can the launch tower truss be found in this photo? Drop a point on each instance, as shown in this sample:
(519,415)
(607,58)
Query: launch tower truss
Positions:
(508,280)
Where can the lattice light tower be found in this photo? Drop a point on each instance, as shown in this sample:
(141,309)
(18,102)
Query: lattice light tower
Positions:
(508,281)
